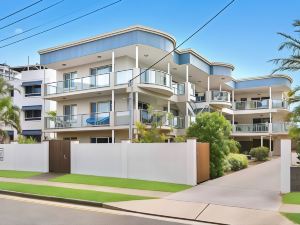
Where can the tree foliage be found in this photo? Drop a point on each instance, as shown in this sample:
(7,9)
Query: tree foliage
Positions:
(214,129)
(149,135)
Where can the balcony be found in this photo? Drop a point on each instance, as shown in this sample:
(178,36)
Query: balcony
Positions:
(122,118)
(161,118)
(274,128)
(78,84)
(220,96)
(178,89)
(78,121)
(260,104)
(251,128)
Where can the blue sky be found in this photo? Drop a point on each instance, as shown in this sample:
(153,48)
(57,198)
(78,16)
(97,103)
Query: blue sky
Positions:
(245,35)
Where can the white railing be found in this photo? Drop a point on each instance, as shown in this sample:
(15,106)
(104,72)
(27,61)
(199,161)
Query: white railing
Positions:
(77,84)
(156,77)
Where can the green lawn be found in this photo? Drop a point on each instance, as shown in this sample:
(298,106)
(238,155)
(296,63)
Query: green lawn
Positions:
(121,183)
(291,198)
(294,217)
(17,174)
(96,196)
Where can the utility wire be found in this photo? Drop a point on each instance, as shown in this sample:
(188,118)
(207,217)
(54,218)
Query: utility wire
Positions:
(62,24)
(20,10)
(26,17)
(188,38)
(41,25)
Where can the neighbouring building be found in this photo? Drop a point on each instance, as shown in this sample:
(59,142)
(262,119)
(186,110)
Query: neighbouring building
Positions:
(92,90)
(28,81)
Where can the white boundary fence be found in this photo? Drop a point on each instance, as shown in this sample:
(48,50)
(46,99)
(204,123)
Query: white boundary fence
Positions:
(286,162)
(24,157)
(167,162)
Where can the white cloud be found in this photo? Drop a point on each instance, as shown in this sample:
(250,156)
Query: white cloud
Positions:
(18,30)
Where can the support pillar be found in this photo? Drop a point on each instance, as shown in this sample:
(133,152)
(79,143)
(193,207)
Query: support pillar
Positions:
(261,141)
(270,95)
(136,101)
(208,83)
(113,61)
(136,56)
(113,100)
(168,68)
(113,136)
(169,106)
(187,73)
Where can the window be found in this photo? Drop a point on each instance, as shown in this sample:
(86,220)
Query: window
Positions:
(34,90)
(98,140)
(70,112)
(32,115)
(70,138)
(69,81)
(101,70)
(100,107)
(12,93)
(143,105)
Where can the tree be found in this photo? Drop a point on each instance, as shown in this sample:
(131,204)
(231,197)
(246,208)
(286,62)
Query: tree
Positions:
(151,135)
(291,63)
(214,129)
(9,113)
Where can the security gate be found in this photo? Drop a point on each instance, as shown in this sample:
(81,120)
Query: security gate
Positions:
(59,156)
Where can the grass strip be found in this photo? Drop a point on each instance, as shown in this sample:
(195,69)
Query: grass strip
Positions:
(291,198)
(17,174)
(294,217)
(87,195)
(121,183)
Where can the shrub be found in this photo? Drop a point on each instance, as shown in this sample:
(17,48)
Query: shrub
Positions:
(237,161)
(214,129)
(25,140)
(260,153)
(226,166)
(180,138)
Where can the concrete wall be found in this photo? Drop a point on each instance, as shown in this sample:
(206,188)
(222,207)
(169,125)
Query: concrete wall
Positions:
(25,157)
(175,162)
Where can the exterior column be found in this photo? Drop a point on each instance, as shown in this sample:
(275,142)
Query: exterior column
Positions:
(113,61)
(136,56)
(113,136)
(208,83)
(136,101)
(112,100)
(168,68)
(220,87)
(261,141)
(271,124)
(270,95)
(187,73)
(270,143)
(232,94)
(169,105)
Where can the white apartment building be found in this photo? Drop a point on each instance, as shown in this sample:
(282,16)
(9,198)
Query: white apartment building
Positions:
(29,80)
(92,91)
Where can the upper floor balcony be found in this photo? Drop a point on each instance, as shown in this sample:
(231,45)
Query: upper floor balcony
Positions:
(261,128)
(111,119)
(260,104)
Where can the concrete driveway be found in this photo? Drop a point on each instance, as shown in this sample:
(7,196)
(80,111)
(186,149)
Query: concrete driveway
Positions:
(257,187)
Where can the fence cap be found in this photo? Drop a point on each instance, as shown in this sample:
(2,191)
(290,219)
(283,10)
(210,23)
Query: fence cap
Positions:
(192,138)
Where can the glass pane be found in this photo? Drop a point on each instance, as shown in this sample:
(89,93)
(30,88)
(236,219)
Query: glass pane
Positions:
(102,80)
(103,107)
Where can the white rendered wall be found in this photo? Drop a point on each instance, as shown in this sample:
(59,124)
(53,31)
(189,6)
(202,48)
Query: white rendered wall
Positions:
(286,161)
(25,157)
(175,162)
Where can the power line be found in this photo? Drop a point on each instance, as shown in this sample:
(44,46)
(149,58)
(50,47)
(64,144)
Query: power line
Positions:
(26,17)
(188,38)
(41,25)
(70,21)
(20,10)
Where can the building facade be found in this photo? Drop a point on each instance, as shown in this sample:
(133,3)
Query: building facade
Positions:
(95,103)
(28,82)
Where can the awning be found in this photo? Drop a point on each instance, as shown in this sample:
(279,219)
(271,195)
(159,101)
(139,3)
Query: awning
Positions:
(32,132)
(32,83)
(32,107)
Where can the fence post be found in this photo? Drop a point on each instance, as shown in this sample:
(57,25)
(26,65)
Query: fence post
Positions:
(286,158)
(46,156)
(191,169)
(124,148)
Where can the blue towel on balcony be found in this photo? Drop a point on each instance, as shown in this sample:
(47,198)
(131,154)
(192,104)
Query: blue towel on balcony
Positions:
(98,121)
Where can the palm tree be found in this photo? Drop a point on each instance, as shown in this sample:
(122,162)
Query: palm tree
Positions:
(291,63)
(9,113)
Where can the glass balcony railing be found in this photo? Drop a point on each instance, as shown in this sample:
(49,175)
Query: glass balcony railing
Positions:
(177,122)
(77,84)
(249,105)
(76,121)
(123,77)
(251,128)
(122,118)
(281,127)
(156,77)
(159,117)
(220,96)
(192,89)
(279,104)
(178,89)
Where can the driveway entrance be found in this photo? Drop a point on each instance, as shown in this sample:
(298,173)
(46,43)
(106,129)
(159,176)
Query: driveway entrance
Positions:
(257,187)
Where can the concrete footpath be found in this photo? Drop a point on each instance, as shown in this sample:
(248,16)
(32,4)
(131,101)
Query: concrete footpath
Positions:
(146,193)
